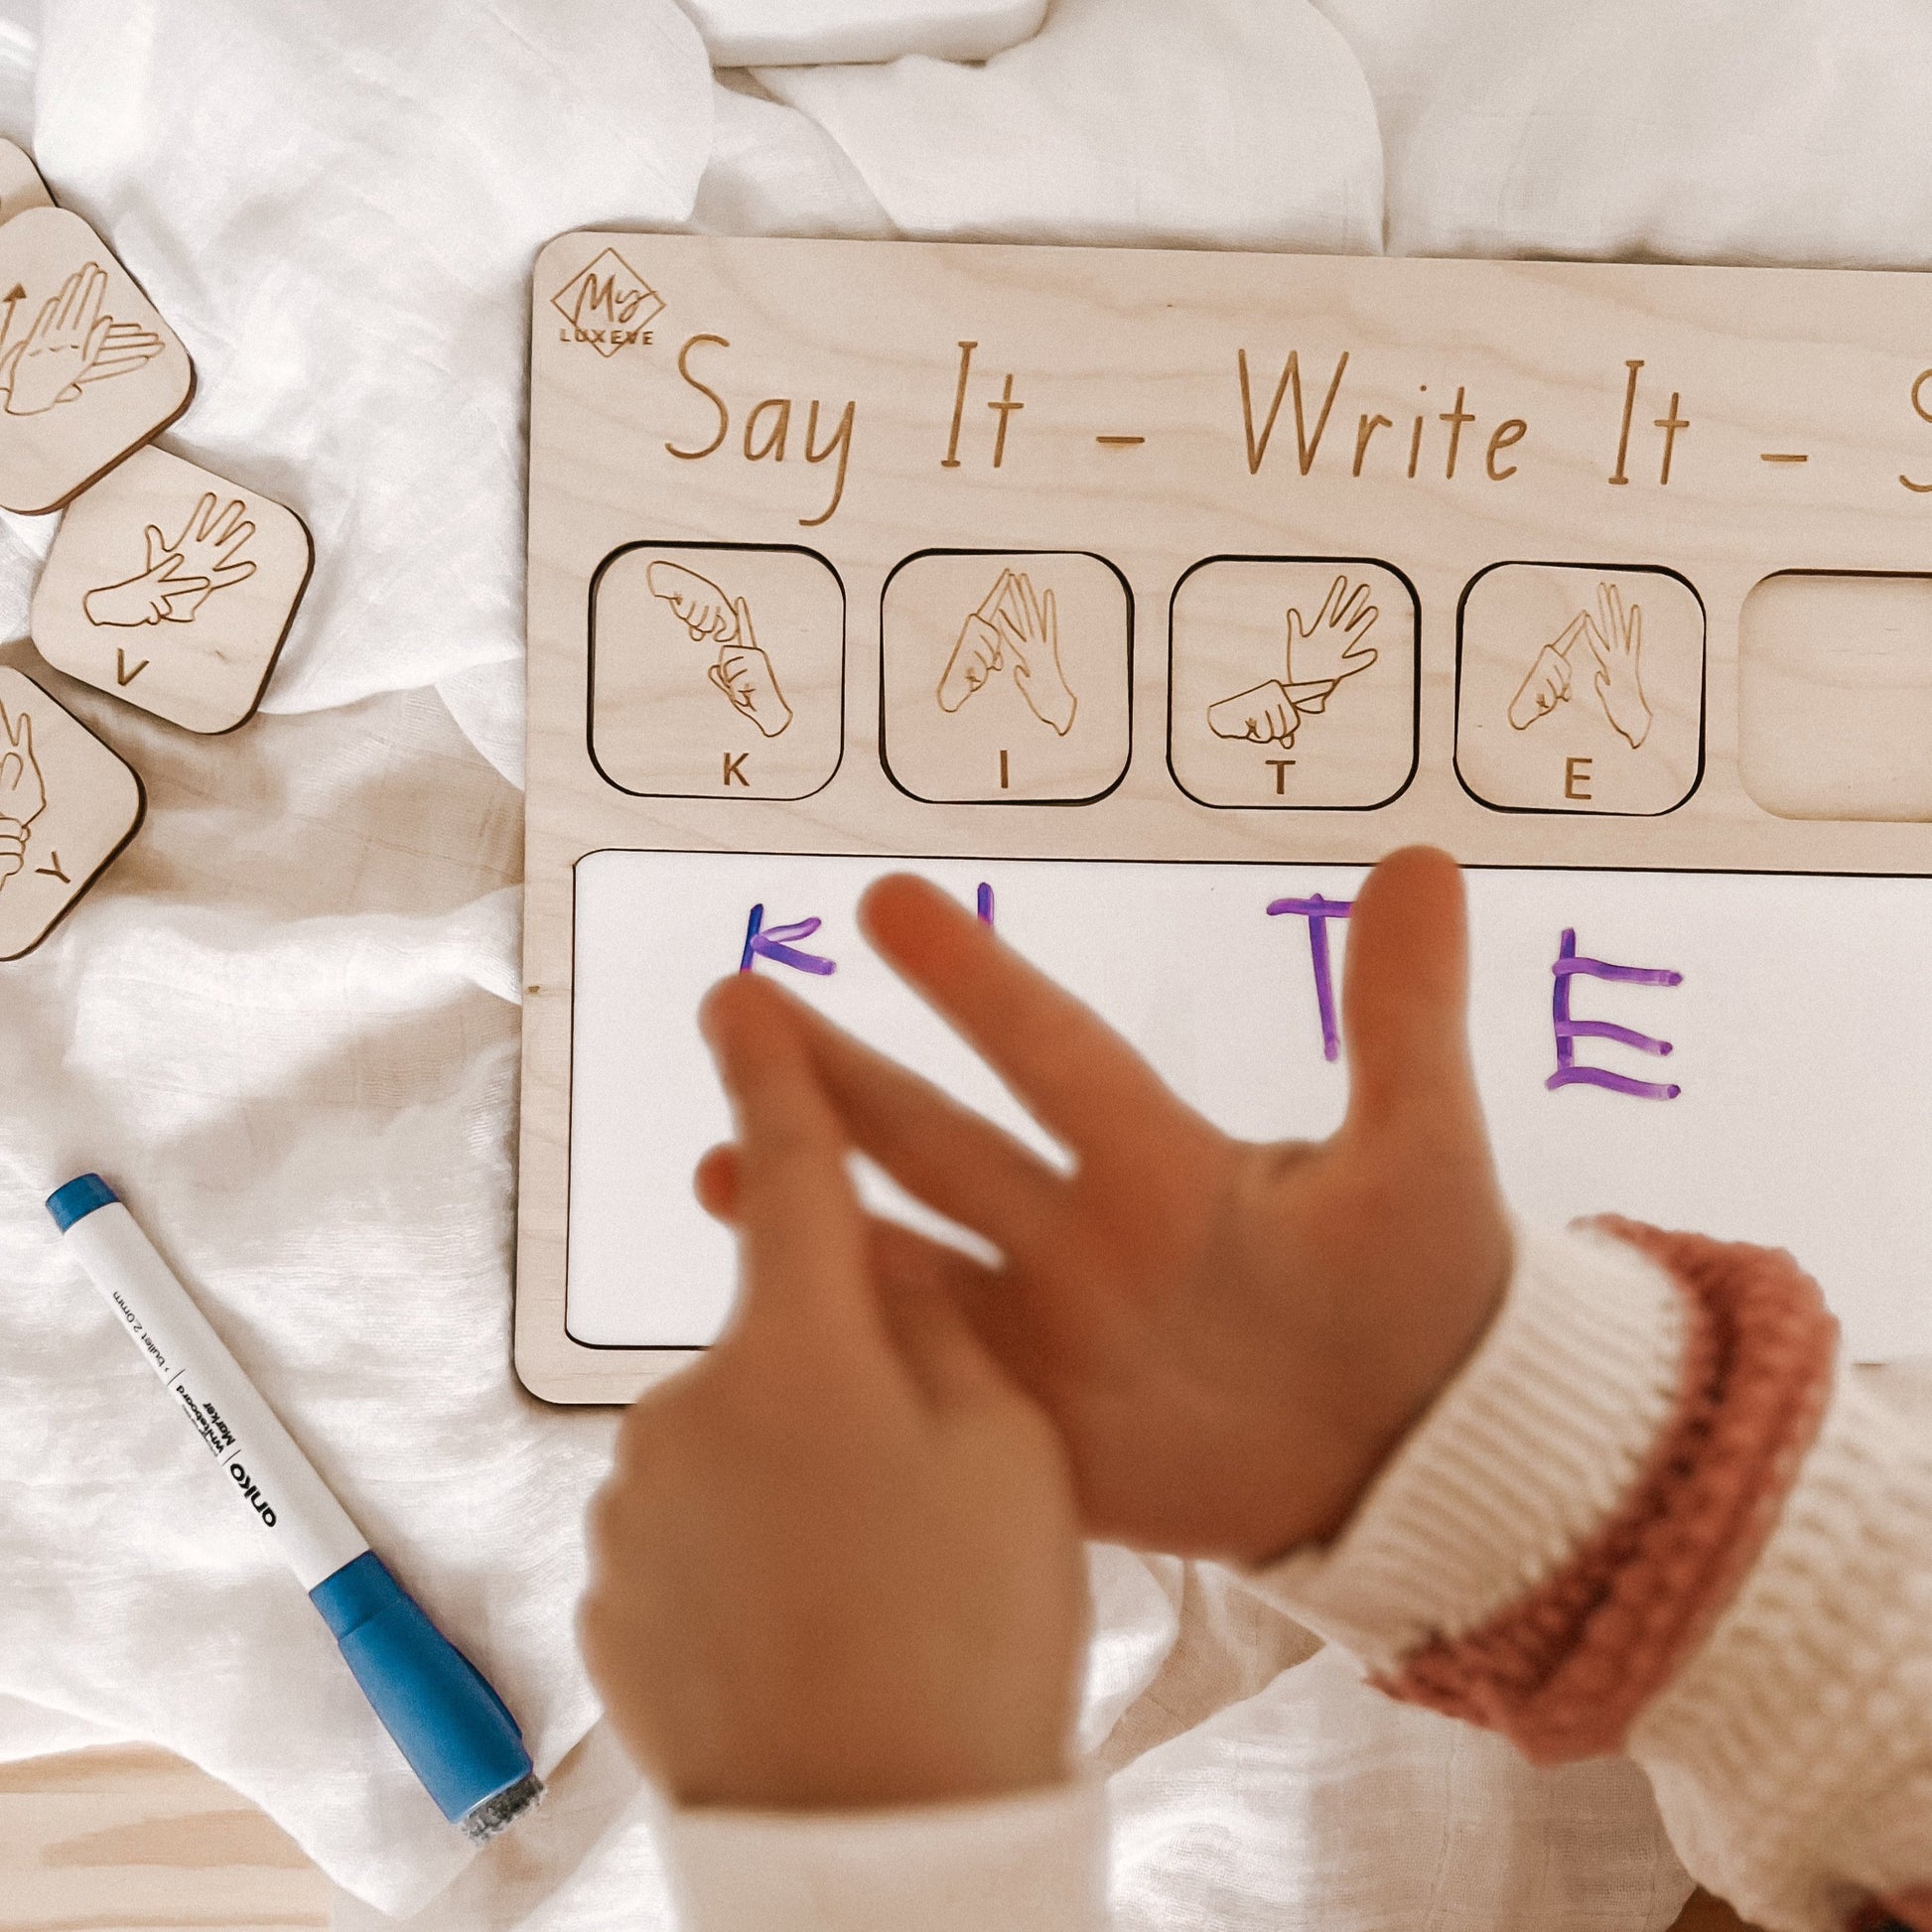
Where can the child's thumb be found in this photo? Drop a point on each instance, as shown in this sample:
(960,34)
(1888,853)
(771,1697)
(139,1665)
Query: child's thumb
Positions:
(1404,992)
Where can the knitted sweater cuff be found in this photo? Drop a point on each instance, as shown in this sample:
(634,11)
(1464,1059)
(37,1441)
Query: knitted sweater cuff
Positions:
(1584,1500)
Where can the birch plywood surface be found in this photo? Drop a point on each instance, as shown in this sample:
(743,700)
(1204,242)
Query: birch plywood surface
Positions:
(88,369)
(1556,487)
(68,805)
(135,1841)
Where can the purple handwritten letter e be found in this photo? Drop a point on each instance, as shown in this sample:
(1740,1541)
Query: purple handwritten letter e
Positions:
(1568,964)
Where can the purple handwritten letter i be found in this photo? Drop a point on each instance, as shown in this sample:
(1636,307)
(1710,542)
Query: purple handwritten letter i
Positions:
(770,942)
(1569,1074)
(1319,912)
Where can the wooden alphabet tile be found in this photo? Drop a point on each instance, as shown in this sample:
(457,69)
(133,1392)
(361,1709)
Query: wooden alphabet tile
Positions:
(1580,689)
(173,587)
(716,671)
(1007,676)
(68,805)
(1292,683)
(21,186)
(89,371)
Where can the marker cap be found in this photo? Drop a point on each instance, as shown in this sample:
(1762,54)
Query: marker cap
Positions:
(456,1731)
(78,1199)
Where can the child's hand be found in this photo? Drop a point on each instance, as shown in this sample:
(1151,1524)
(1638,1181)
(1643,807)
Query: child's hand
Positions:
(838,1562)
(1231,1338)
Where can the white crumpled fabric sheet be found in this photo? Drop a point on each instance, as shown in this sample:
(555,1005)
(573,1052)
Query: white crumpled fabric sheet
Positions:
(287,1023)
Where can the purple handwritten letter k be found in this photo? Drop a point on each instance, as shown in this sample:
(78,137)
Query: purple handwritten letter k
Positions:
(1319,912)
(769,942)
(1569,1074)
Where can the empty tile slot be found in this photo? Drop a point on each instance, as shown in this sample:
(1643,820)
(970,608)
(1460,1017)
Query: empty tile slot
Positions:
(1835,695)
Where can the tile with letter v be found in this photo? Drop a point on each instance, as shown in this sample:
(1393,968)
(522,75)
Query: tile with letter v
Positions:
(173,587)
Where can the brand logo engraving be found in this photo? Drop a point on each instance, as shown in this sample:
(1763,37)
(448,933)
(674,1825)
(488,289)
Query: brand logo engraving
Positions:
(607,305)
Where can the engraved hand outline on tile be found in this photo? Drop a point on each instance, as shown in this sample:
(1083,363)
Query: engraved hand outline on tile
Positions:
(696,601)
(23,791)
(180,576)
(1031,628)
(72,344)
(977,653)
(1615,648)
(1618,646)
(1318,657)
(743,674)
(1547,684)
(1334,646)
(1267,715)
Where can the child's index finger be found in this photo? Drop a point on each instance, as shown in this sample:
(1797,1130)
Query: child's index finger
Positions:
(1071,1070)
(804,1248)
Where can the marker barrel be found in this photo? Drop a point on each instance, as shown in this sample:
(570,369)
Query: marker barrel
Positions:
(266,1472)
(455,1732)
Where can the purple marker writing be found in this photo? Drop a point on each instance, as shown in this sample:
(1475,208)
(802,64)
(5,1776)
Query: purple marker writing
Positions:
(1319,912)
(769,942)
(1568,965)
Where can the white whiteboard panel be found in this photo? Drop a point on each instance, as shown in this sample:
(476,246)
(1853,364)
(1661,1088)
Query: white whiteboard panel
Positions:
(1801,1044)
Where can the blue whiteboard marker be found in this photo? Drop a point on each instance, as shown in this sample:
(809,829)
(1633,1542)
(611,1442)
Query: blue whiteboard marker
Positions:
(455,1731)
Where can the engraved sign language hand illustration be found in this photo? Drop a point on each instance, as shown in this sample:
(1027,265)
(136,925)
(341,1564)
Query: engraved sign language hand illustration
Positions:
(22,792)
(1264,716)
(977,654)
(1031,628)
(1320,656)
(1615,647)
(70,344)
(1018,629)
(740,672)
(743,673)
(1548,682)
(180,577)
(697,602)
(1334,646)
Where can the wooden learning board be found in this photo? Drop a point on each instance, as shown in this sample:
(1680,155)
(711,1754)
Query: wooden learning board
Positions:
(1144,598)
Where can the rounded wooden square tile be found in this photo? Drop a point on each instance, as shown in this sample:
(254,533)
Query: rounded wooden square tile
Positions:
(717,671)
(1007,676)
(171,588)
(89,371)
(68,805)
(1580,688)
(1293,682)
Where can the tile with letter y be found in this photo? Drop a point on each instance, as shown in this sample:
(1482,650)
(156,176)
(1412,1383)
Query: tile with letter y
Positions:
(68,805)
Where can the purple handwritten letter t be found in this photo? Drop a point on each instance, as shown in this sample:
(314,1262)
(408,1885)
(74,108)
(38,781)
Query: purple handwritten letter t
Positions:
(1569,1074)
(1319,912)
